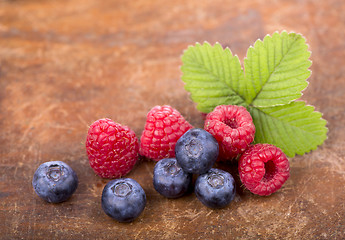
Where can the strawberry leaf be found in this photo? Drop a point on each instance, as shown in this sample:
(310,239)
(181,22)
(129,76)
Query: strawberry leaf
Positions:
(295,127)
(276,70)
(213,76)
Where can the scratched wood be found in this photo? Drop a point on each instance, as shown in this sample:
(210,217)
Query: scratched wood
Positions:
(64,64)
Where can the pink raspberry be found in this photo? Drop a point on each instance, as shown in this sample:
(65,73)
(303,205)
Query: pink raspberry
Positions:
(164,126)
(112,149)
(233,128)
(263,169)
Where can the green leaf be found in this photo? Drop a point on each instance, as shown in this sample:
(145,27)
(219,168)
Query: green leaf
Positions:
(295,128)
(213,76)
(276,70)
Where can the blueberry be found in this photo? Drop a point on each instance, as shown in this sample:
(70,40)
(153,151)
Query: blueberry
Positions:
(169,179)
(196,151)
(55,181)
(215,189)
(123,199)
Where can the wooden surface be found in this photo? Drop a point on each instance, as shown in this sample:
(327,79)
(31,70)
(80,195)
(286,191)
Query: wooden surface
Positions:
(65,64)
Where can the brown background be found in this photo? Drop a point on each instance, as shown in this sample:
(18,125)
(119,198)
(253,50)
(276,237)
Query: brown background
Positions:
(65,64)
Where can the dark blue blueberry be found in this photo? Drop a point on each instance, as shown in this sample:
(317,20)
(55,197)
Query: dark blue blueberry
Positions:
(196,151)
(55,181)
(123,199)
(169,179)
(216,188)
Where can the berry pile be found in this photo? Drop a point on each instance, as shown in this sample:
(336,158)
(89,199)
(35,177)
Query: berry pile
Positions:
(180,151)
(196,152)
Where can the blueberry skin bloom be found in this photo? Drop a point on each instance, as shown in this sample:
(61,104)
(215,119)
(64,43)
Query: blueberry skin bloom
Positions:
(55,181)
(215,189)
(169,179)
(196,151)
(123,199)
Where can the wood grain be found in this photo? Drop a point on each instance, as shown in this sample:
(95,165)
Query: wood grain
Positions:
(64,64)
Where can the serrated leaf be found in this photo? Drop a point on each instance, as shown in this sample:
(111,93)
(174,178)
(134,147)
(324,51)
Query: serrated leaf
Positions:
(295,128)
(276,70)
(276,73)
(213,76)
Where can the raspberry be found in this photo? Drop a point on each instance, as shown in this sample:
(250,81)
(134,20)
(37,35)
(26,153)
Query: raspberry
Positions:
(112,148)
(263,169)
(164,126)
(232,127)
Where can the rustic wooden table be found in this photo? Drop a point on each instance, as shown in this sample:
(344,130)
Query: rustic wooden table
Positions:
(65,64)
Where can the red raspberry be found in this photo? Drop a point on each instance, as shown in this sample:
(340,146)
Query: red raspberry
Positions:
(112,148)
(164,126)
(263,169)
(233,128)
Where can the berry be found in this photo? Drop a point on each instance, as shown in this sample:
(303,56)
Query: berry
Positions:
(216,188)
(164,126)
(112,148)
(169,179)
(233,128)
(263,169)
(196,151)
(123,199)
(55,181)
